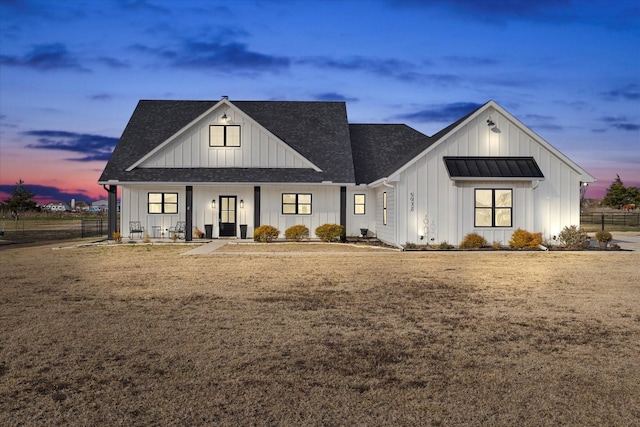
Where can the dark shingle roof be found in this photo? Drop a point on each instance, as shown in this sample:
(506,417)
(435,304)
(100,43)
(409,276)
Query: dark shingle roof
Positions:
(151,123)
(317,130)
(379,150)
(492,167)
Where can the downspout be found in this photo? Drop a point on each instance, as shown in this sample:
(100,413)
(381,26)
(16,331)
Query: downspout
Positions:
(395,228)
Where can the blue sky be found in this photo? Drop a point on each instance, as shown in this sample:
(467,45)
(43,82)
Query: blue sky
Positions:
(71,72)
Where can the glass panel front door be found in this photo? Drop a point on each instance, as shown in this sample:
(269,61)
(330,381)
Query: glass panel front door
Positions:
(227,218)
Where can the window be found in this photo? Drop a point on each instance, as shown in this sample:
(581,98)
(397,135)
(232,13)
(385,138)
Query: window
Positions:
(296,204)
(358,204)
(160,203)
(224,136)
(493,207)
(384,208)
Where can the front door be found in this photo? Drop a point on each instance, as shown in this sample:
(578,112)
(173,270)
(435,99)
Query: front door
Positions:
(227,218)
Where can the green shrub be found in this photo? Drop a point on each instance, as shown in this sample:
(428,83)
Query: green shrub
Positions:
(603,236)
(573,237)
(445,245)
(473,241)
(523,239)
(330,232)
(265,233)
(297,233)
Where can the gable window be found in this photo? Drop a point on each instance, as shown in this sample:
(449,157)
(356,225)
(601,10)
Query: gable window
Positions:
(163,203)
(359,204)
(384,208)
(296,204)
(493,207)
(224,136)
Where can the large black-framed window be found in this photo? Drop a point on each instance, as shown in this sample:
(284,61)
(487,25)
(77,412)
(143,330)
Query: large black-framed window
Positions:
(493,207)
(384,208)
(296,204)
(224,136)
(359,202)
(162,203)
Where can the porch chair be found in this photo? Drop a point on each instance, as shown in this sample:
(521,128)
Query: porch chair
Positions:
(135,227)
(178,229)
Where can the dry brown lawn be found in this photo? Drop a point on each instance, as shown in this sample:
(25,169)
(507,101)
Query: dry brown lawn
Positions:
(141,335)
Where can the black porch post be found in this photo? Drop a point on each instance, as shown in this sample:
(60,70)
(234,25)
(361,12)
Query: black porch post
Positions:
(188,232)
(343,211)
(112,210)
(256,207)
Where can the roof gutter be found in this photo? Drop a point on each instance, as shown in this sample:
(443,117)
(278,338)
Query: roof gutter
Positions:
(395,228)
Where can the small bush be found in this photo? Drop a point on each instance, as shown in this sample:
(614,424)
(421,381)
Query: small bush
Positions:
(330,232)
(473,241)
(603,236)
(146,238)
(197,233)
(523,239)
(445,245)
(573,237)
(117,237)
(297,233)
(496,244)
(265,233)
(410,245)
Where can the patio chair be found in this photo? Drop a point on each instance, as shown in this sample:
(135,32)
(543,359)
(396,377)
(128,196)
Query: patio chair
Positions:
(135,227)
(178,229)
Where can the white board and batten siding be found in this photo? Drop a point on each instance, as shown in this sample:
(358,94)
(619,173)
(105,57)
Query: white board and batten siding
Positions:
(258,148)
(431,205)
(325,207)
(386,232)
(357,221)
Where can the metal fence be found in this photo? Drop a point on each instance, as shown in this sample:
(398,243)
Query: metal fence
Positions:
(625,219)
(94,227)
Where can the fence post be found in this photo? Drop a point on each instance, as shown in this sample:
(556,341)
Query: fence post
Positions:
(602,221)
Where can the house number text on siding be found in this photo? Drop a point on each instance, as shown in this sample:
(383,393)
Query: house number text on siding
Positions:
(412,200)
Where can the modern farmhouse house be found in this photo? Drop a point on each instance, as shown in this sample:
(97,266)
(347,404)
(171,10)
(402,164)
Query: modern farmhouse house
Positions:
(226,166)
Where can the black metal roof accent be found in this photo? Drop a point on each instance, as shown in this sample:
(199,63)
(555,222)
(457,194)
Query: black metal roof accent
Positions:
(492,167)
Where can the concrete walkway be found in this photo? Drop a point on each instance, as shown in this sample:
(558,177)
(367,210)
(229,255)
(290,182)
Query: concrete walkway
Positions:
(629,240)
(208,248)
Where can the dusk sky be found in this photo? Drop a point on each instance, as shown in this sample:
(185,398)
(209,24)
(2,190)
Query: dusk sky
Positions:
(72,72)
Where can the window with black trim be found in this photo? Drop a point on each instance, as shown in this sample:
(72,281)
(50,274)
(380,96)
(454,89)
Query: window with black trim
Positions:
(163,203)
(359,204)
(224,136)
(296,204)
(384,208)
(493,207)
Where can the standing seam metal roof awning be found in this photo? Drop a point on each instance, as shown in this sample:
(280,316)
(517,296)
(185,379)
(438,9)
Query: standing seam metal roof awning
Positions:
(518,168)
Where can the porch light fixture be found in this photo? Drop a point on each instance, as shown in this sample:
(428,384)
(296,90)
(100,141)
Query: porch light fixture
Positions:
(492,125)
(213,204)
(241,204)
(224,117)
